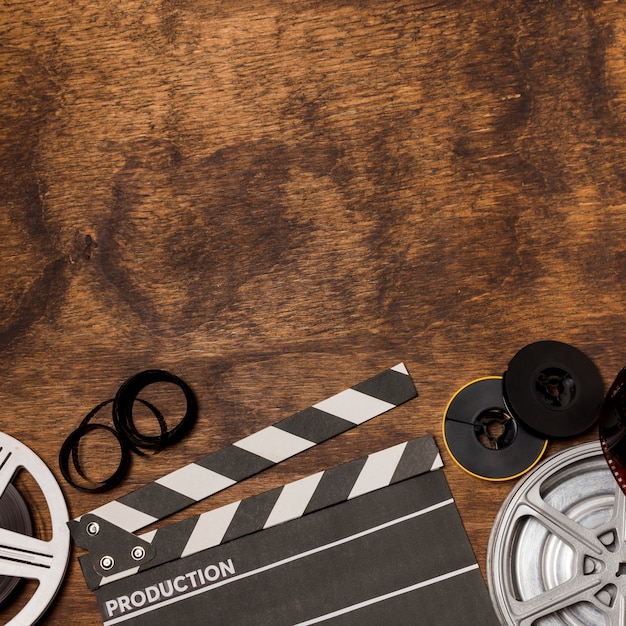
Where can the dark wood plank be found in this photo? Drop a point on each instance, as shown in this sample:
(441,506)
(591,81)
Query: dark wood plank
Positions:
(275,200)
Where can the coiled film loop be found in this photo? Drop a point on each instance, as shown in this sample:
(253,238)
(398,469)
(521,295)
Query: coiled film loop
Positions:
(123,411)
(125,431)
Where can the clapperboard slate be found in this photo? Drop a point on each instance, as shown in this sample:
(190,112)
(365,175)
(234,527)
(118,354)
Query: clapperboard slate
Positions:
(377,540)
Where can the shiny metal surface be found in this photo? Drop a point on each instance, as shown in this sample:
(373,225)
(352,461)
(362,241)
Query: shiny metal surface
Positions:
(557,550)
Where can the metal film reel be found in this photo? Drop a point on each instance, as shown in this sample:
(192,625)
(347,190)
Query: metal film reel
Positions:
(557,550)
(25,556)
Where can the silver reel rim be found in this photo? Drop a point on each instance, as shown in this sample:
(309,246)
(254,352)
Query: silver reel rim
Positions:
(28,557)
(557,549)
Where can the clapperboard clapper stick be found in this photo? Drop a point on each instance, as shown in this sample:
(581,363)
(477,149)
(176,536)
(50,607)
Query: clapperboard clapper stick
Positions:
(291,501)
(107,532)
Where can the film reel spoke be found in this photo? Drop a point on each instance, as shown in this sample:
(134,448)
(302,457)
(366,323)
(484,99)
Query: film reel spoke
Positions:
(9,464)
(527,612)
(24,556)
(581,540)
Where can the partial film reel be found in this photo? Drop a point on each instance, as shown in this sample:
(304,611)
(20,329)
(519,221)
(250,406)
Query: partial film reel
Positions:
(481,436)
(23,554)
(557,550)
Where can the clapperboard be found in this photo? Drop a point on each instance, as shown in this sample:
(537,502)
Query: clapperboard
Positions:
(377,540)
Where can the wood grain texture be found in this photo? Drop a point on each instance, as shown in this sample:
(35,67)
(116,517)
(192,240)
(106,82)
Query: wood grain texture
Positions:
(275,200)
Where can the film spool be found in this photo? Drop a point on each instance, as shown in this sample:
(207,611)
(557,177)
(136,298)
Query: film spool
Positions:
(14,516)
(483,438)
(554,389)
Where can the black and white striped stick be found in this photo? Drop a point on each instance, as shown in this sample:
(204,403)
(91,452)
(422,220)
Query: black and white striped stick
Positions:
(289,502)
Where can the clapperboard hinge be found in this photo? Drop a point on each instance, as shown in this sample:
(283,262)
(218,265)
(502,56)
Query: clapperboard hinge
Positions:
(108,532)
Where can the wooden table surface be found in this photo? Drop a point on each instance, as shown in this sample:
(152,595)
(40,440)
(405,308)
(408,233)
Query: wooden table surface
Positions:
(276,200)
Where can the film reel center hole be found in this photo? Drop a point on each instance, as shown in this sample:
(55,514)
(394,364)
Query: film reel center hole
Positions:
(494,429)
(555,387)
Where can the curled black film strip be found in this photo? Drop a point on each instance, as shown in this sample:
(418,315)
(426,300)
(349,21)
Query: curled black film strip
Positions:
(125,431)
(123,411)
